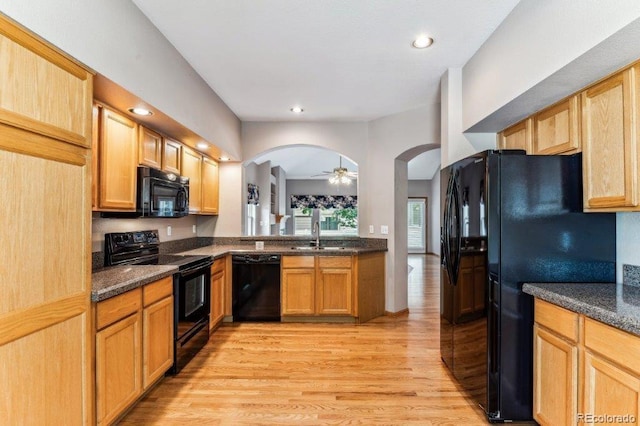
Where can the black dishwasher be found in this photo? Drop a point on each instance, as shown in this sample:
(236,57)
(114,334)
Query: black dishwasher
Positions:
(256,287)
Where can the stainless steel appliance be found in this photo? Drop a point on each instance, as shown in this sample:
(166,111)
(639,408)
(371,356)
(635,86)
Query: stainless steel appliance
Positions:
(191,287)
(256,287)
(520,218)
(158,194)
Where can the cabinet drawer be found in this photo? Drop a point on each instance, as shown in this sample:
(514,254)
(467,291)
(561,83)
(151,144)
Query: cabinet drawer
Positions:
(558,319)
(157,290)
(619,346)
(298,261)
(334,261)
(118,307)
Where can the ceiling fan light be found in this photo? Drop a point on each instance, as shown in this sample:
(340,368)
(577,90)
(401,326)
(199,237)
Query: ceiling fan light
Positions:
(334,180)
(345,180)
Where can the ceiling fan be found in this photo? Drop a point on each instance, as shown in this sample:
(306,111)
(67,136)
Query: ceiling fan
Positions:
(339,175)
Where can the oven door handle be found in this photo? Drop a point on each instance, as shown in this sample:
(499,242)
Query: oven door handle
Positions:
(197,267)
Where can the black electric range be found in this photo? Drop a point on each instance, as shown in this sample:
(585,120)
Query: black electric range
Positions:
(191,287)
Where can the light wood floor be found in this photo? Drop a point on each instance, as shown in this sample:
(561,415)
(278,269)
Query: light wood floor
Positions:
(387,371)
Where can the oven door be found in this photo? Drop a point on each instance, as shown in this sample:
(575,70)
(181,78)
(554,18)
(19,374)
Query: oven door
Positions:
(192,299)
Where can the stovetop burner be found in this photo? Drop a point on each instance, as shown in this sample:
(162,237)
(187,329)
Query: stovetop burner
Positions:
(143,248)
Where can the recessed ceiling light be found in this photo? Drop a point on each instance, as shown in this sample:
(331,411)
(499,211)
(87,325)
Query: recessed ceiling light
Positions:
(202,145)
(422,42)
(296,110)
(224,158)
(140,111)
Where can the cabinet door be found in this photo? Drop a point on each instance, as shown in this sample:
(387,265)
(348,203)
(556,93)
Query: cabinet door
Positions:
(556,129)
(609,390)
(191,167)
(610,157)
(149,148)
(210,187)
(157,340)
(334,292)
(118,367)
(555,372)
(518,136)
(298,291)
(118,159)
(217,297)
(171,156)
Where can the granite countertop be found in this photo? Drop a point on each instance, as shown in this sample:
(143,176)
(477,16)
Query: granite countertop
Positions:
(617,305)
(115,280)
(221,250)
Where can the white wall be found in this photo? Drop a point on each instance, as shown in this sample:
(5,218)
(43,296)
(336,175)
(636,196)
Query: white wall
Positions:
(116,40)
(231,205)
(180,228)
(537,40)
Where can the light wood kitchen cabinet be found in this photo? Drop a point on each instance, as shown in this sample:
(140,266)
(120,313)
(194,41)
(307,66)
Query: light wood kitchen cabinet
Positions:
(218,286)
(609,143)
(611,371)
(583,368)
(555,365)
(171,156)
(556,130)
(157,330)
(317,286)
(518,136)
(117,160)
(46,343)
(118,354)
(334,286)
(192,168)
(210,186)
(134,346)
(149,148)
(298,285)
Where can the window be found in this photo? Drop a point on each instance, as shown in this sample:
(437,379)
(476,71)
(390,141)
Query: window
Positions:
(332,221)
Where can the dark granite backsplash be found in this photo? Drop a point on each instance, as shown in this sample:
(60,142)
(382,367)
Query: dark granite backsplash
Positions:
(631,275)
(178,246)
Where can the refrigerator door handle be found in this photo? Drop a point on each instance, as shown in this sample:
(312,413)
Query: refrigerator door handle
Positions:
(458,228)
(447,225)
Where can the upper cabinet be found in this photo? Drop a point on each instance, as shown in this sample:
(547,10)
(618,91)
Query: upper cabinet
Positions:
(192,168)
(210,187)
(609,140)
(171,156)
(556,129)
(518,136)
(117,160)
(149,148)
(42,90)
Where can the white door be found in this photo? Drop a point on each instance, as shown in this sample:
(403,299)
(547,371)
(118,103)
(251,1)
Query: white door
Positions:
(417,225)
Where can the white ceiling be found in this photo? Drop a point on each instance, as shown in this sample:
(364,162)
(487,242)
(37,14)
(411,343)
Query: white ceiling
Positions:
(340,60)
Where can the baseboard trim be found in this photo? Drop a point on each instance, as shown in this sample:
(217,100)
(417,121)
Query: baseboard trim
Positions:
(403,312)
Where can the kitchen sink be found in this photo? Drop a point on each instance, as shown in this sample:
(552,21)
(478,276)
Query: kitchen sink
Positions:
(316,248)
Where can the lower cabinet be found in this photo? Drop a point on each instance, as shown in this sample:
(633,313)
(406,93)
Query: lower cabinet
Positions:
(317,286)
(134,346)
(584,371)
(555,365)
(218,285)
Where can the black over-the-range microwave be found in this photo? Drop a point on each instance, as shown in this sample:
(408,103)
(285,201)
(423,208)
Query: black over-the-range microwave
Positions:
(159,194)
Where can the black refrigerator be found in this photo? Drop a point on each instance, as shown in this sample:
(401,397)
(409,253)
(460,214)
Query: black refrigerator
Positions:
(510,218)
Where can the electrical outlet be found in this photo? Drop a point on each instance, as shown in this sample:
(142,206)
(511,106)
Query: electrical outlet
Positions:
(384,229)
(371,229)
(168,230)
(194,229)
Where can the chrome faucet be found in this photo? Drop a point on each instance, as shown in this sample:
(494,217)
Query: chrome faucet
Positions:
(316,231)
